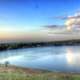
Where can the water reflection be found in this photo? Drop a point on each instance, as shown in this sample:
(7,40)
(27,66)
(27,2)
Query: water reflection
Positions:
(73,57)
(70,56)
(60,58)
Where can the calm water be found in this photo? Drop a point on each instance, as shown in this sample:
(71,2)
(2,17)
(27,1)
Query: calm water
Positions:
(60,58)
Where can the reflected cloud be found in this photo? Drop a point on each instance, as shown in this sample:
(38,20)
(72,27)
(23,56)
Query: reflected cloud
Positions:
(10,59)
(72,57)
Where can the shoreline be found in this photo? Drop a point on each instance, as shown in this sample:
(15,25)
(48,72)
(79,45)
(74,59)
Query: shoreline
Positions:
(11,46)
(34,70)
(17,73)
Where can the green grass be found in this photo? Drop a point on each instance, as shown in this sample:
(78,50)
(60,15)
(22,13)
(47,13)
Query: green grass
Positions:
(41,76)
(15,73)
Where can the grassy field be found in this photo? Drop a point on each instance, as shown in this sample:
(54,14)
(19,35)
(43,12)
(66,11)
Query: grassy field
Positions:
(15,73)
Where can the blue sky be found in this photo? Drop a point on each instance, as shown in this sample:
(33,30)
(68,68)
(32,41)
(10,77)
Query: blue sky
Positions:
(33,14)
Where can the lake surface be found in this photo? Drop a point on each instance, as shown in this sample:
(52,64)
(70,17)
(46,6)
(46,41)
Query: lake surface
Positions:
(54,58)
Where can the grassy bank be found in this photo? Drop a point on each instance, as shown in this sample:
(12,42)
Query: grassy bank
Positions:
(15,73)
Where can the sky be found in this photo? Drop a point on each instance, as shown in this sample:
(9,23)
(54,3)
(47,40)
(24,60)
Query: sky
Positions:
(33,15)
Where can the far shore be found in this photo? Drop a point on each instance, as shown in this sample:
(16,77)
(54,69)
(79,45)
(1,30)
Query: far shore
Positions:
(18,45)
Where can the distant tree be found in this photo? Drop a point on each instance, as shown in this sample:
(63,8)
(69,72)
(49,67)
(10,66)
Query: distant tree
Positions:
(6,64)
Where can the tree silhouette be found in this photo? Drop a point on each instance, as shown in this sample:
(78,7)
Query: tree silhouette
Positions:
(6,64)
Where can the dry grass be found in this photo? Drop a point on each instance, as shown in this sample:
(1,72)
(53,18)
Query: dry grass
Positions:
(16,73)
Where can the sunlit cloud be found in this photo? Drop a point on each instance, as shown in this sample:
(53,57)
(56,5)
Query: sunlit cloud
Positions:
(70,22)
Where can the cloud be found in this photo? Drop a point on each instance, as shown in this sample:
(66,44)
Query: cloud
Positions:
(71,21)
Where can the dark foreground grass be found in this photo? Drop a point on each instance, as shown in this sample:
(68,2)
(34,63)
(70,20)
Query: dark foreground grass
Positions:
(15,73)
(43,76)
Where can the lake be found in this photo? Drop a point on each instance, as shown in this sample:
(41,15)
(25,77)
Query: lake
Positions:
(52,58)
